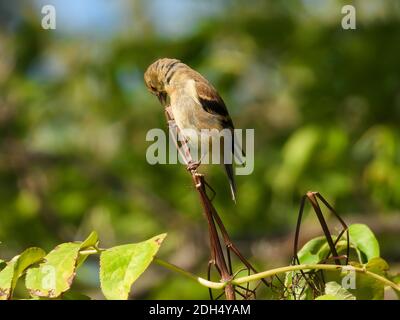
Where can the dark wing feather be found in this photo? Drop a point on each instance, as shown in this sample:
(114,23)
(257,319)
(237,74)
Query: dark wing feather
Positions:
(211,102)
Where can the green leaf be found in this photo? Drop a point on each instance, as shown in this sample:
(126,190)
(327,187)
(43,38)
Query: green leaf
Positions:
(363,239)
(365,287)
(396,279)
(15,268)
(55,275)
(327,297)
(91,241)
(374,289)
(368,288)
(2,264)
(6,279)
(300,290)
(120,266)
(314,251)
(334,289)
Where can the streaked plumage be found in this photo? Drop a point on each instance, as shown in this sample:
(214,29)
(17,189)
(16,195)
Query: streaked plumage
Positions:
(194,101)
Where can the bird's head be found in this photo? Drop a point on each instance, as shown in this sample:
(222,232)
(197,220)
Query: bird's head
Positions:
(158,76)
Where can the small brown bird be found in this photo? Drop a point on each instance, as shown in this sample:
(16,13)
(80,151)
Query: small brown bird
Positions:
(194,101)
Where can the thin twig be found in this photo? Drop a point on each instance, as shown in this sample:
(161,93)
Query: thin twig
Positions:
(217,254)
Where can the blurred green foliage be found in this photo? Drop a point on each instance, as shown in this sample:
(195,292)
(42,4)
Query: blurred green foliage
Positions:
(74,112)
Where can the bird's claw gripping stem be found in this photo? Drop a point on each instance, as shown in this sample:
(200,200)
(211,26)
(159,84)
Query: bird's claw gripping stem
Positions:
(193,165)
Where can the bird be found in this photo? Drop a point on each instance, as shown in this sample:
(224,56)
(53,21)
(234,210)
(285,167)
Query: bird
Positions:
(195,104)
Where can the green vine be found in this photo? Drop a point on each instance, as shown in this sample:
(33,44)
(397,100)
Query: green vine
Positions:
(50,275)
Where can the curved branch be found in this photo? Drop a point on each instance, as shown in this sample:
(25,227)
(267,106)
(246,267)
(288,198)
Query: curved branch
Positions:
(272,272)
(202,281)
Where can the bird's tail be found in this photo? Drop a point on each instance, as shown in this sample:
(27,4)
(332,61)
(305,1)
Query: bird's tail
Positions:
(231,178)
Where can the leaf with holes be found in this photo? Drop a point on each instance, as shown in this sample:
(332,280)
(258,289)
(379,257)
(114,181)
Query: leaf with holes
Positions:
(15,268)
(55,275)
(121,266)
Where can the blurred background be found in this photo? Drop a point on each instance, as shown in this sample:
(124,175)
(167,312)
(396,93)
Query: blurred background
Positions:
(74,113)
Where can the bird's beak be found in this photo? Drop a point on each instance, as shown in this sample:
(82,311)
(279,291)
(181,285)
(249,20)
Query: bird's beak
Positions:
(162,97)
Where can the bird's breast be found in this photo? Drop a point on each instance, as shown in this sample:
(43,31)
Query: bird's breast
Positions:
(185,110)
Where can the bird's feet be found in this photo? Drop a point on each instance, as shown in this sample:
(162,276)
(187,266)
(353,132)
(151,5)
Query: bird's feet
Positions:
(193,165)
(172,124)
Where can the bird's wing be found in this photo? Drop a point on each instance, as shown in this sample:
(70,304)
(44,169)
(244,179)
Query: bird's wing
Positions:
(212,103)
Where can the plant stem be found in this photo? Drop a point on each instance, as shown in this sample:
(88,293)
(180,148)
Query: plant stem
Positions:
(272,272)
(204,282)
(88,252)
(217,255)
(275,271)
